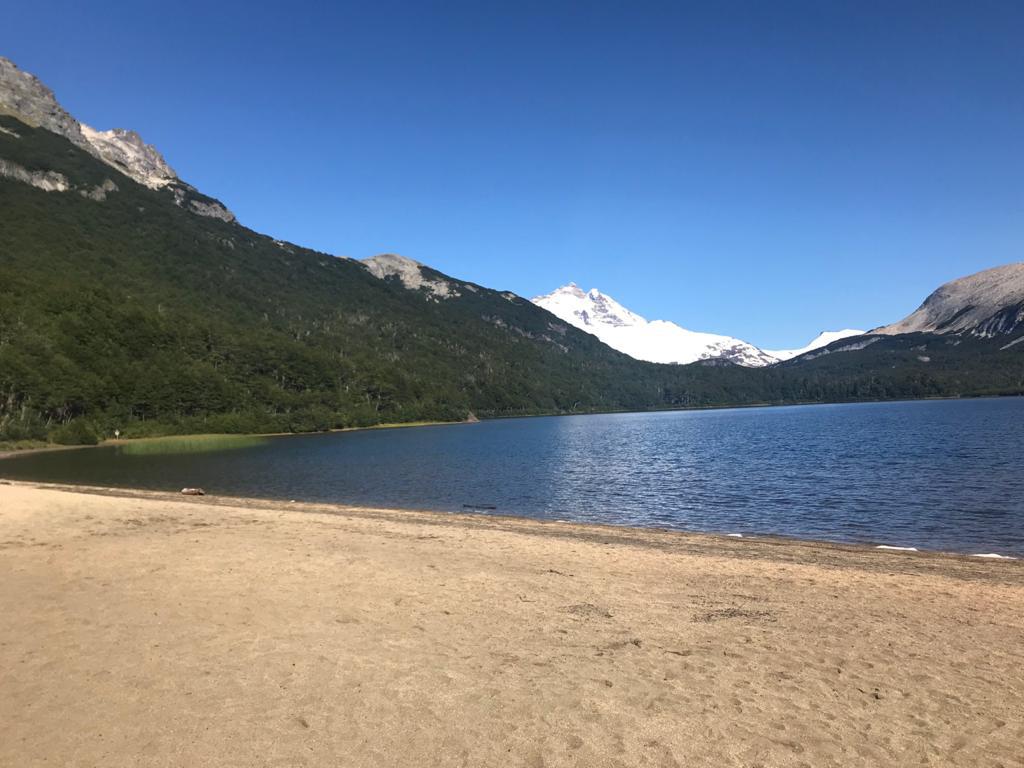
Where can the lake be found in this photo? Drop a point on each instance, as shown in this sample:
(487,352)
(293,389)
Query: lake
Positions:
(938,475)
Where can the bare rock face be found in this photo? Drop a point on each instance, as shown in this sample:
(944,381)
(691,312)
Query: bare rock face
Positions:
(99,193)
(411,274)
(51,181)
(23,96)
(210,208)
(988,303)
(126,151)
(48,181)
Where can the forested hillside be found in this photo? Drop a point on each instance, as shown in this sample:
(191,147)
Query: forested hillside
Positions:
(130,311)
(120,309)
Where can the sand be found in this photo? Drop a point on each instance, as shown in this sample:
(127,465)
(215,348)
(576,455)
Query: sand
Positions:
(156,630)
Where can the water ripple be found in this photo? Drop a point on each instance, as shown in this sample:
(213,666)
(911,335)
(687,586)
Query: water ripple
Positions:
(933,475)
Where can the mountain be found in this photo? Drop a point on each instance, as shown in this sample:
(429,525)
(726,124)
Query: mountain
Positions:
(967,335)
(24,97)
(120,308)
(123,307)
(658,341)
(661,341)
(823,339)
(985,304)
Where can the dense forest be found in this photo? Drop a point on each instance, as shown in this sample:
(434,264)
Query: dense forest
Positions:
(129,312)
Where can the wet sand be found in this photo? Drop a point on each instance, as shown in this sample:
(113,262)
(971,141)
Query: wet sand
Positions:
(145,629)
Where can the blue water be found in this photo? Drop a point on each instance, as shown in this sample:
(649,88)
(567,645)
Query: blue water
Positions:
(940,475)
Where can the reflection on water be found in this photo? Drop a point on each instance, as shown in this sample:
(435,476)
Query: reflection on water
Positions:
(936,475)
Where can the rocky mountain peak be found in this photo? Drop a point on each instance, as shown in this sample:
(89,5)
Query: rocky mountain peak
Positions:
(126,151)
(987,303)
(24,96)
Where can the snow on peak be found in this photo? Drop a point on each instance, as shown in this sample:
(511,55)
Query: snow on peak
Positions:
(658,341)
(588,309)
(823,339)
(572,290)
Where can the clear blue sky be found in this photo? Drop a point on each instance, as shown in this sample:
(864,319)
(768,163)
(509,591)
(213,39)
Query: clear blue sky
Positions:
(762,169)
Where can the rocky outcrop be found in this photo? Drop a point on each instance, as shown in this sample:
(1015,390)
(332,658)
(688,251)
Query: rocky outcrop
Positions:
(25,97)
(411,274)
(126,151)
(99,192)
(184,197)
(51,181)
(985,304)
(48,181)
(211,210)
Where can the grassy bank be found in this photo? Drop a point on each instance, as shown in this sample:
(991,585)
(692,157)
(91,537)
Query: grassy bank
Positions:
(12,446)
(214,441)
(196,443)
(187,444)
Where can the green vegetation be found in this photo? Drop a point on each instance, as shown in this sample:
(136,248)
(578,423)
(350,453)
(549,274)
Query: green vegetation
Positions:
(22,445)
(133,314)
(74,432)
(190,444)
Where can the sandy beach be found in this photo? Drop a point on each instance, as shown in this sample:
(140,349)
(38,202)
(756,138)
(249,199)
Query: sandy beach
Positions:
(142,629)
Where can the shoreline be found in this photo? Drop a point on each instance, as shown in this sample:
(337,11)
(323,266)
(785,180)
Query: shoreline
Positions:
(410,424)
(694,539)
(50,447)
(158,629)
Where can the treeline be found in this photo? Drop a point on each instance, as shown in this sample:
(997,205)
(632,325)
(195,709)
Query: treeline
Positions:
(133,314)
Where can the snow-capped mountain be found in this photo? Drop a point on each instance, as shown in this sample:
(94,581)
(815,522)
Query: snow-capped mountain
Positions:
(25,97)
(821,340)
(658,341)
